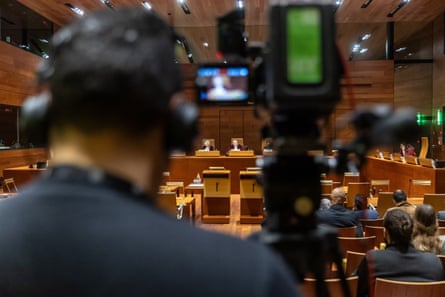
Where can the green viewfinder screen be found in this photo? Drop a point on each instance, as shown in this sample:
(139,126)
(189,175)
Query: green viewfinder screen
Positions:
(304,48)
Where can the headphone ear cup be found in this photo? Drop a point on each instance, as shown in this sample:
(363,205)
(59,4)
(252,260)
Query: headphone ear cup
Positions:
(182,128)
(34,120)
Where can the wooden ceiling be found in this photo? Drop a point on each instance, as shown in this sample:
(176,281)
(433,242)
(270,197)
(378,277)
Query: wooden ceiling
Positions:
(411,21)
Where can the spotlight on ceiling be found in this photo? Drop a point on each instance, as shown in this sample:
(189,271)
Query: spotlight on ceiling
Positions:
(395,10)
(75,9)
(108,4)
(184,6)
(147,5)
(366,3)
(240,4)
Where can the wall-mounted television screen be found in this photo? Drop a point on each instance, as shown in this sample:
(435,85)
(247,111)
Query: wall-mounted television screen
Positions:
(222,84)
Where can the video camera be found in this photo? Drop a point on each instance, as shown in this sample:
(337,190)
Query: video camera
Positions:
(295,78)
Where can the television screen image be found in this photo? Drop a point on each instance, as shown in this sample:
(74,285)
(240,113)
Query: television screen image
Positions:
(223,84)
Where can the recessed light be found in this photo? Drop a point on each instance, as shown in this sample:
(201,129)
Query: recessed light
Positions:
(147,5)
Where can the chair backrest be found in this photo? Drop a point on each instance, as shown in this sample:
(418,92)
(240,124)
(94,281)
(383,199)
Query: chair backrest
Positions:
(372,222)
(441,223)
(308,286)
(384,202)
(378,232)
(424,145)
(346,231)
(326,187)
(412,160)
(351,177)
(355,188)
(167,202)
(239,139)
(418,187)
(392,288)
(441,230)
(10,185)
(356,244)
(427,162)
(437,201)
(379,185)
(353,260)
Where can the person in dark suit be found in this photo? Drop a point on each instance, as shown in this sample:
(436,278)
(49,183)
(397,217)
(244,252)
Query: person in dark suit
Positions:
(337,215)
(90,226)
(400,260)
(235,146)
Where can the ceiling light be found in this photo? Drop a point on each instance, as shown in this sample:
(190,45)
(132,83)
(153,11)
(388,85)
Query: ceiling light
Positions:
(363,50)
(184,6)
(401,4)
(365,36)
(366,4)
(401,49)
(147,5)
(339,2)
(75,9)
(205,44)
(240,4)
(355,47)
(108,3)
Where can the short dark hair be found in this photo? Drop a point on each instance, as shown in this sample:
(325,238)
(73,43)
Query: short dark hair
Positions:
(112,69)
(399,225)
(399,196)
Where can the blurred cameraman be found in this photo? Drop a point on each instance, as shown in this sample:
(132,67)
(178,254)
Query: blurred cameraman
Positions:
(89,227)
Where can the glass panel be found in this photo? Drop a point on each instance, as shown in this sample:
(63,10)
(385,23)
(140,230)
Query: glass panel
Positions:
(24,28)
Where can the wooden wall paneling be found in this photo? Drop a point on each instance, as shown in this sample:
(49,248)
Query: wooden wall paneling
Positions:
(231,125)
(439,62)
(209,125)
(17,69)
(413,87)
(21,157)
(252,131)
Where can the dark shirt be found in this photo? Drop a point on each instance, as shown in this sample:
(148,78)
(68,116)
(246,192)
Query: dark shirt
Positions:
(397,264)
(369,214)
(338,216)
(73,233)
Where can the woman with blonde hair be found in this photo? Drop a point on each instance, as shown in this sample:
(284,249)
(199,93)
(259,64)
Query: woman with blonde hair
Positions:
(426,230)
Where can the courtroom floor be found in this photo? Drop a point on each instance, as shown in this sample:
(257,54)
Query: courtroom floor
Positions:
(234,227)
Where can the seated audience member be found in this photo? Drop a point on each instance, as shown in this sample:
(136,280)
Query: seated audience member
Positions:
(426,231)
(92,227)
(325,203)
(401,202)
(400,260)
(410,151)
(206,146)
(365,211)
(337,215)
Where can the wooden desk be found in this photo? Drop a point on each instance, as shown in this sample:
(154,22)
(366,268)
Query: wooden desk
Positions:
(185,168)
(400,174)
(23,174)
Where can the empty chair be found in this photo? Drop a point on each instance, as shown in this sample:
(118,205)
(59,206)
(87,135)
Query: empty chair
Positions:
(355,188)
(437,201)
(372,222)
(356,244)
(392,288)
(9,185)
(378,232)
(353,260)
(379,185)
(326,187)
(351,177)
(347,231)
(384,202)
(418,187)
(334,286)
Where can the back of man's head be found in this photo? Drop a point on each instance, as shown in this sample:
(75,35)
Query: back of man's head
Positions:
(399,196)
(399,226)
(111,69)
(338,196)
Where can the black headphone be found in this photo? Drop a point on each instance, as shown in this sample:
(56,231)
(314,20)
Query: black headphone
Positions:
(181,131)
